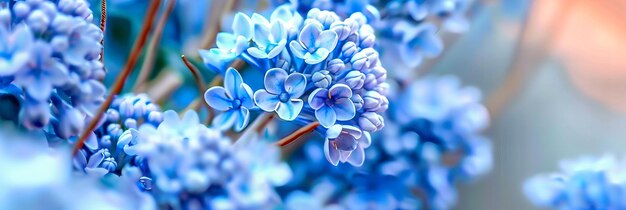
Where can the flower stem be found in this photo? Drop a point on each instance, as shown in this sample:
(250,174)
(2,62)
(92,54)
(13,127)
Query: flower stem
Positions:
(119,83)
(200,84)
(298,133)
(151,51)
(103,21)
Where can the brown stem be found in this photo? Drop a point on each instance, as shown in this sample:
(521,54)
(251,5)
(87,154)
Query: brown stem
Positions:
(200,84)
(103,21)
(297,134)
(151,51)
(263,123)
(119,83)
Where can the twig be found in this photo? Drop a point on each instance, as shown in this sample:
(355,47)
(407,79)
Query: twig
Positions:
(298,133)
(119,83)
(200,84)
(103,21)
(151,51)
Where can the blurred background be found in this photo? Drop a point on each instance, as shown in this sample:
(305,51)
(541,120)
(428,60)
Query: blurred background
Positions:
(553,75)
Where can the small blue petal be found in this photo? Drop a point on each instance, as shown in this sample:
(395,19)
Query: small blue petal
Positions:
(217,98)
(326,116)
(290,109)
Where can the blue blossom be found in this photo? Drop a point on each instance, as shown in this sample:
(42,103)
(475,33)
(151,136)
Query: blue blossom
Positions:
(332,104)
(314,44)
(346,144)
(584,183)
(15,49)
(270,38)
(230,45)
(282,93)
(235,98)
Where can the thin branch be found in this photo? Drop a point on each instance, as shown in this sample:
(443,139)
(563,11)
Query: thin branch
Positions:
(297,134)
(151,51)
(200,84)
(214,21)
(119,83)
(103,22)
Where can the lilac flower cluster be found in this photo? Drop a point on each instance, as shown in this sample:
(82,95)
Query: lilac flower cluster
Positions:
(317,68)
(49,63)
(431,142)
(585,183)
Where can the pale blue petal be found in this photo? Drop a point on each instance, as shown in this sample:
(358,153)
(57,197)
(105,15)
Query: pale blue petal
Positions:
(226,41)
(259,19)
(275,80)
(357,157)
(281,13)
(297,49)
(245,93)
(261,34)
(309,34)
(318,98)
(295,85)
(290,110)
(217,98)
(242,119)
(242,25)
(266,101)
(317,57)
(190,118)
(225,120)
(332,155)
(339,91)
(344,108)
(278,31)
(232,83)
(277,49)
(327,40)
(334,131)
(257,53)
(326,116)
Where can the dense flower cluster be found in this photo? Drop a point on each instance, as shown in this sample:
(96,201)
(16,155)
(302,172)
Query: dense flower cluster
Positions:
(35,177)
(585,183)
(49,63)
(317,68)
(431,142)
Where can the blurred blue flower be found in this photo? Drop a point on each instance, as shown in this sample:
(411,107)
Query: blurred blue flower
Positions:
(15,49)
(314,44)
(230,45)
(270,38)
(585,183)
(332,104)
(235,98)
(282,93)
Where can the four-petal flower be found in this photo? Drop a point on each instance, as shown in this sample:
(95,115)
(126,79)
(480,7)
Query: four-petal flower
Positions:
(282,93)
(235,98)
(346,143)
(314,44)
(270,38)
(332,104)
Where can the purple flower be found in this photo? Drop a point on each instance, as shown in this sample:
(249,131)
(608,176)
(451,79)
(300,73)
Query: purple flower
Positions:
(346,143)
(282,93)
(235,98)
(332,104)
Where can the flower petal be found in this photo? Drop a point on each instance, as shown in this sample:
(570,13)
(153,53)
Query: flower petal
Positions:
(357,157)
(242,25)
(327,40)
(344,108)
(295,85)
(297,49)
(318,98)
(261,34)
(257,53)
(226,41)
(242,119)
(309,34)
(217,98)
(339,91)
(326,116)
(290,110)
(275,80)
(332,155)
(225,120)
(245,96)
(333,132)
(318,56)
(266,101)
(232,83)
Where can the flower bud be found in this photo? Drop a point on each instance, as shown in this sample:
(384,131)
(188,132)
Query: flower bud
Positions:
(38,21)
(112,115)
(357,100)
(321,79)
(155,117)
(21,9)
(367,37)
(335,66)
(126,108)
(371,121)
(34,115)
(348,50)
(359,61)
(342,30)
(355,79)
(370,82)
(130,123)
(71,123)
(371,100)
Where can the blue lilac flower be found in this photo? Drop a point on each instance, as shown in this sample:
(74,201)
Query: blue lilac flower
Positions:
(184,157)
(329,73)
(234,99)
(51,50)
(584,183)
(27,182)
